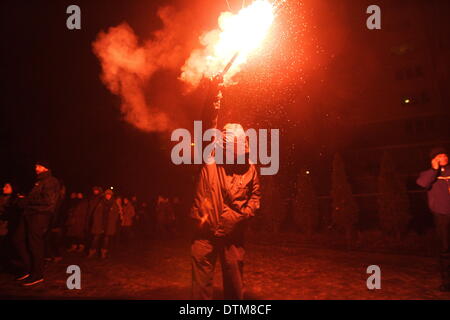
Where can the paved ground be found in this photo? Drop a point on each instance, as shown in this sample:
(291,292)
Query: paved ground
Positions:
(157,271)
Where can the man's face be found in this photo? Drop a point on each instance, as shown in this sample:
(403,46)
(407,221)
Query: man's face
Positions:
(40,169)
(442,159)
(7,189)
(108,196)
(95,191)
(125,200)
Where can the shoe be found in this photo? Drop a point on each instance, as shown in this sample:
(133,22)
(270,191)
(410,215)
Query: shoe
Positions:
(57,259)
(31,281)
(23,276)
(444,288)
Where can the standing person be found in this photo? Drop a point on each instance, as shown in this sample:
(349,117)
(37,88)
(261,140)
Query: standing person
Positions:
(134,201)
(128,214)
(227,196)
(104,224)
(437,181)
(77,223)
(9,216)
(39,207)
(144,219)
(164,216)
(54,235)
(117,236)
(93,201)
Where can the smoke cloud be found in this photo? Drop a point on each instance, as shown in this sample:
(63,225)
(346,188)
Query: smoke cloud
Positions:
(129,65)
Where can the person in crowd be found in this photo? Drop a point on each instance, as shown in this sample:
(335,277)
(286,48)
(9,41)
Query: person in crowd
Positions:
(128,215)
(144,219)
(76,224)
(437,181)
(164,216)
(9,216)
(54,234)
(39,206)
(93,201)
(104,223)
(134,201)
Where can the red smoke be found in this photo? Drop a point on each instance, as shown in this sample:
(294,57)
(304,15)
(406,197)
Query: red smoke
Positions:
(128,65)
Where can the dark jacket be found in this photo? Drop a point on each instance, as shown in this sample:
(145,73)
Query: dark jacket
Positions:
(226,197)
(44,196)
(77,219)
(9,213)
(437,182)
(9,206)
(105,217)
(59,214)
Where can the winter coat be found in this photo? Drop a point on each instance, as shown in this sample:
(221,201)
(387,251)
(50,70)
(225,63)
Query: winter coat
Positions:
(164,212)
(437,182)
(77,219)
(9,213)
(226,197)
(44,196)
(128,214)
(9,206)
(105,218)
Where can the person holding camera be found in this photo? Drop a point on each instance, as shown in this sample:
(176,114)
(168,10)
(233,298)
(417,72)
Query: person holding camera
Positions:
(437,181)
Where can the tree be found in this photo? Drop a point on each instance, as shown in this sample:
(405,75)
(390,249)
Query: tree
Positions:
(393,200)
(306,207)
(344,208)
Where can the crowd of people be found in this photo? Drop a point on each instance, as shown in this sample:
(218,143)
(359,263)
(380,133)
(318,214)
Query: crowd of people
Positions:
(38,227)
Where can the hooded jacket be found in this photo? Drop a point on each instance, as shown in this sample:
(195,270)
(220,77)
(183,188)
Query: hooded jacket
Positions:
(226,197)
(105,217)
(437,182)
(128,214)
(77,218)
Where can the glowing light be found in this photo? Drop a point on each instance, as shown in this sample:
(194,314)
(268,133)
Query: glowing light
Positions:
(244,31)
(307,172)
(407,101)
(241,33)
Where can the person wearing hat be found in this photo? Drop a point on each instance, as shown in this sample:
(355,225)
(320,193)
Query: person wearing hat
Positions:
(437,182)
(227,197)
(39,206)
(104,222)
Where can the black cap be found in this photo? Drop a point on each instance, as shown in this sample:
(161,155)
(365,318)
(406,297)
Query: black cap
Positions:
(435,151)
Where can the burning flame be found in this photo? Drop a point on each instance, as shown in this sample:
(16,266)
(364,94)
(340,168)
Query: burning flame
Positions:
(240,34)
